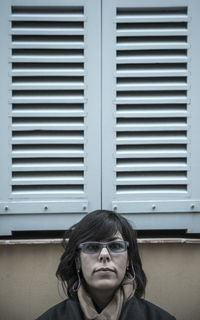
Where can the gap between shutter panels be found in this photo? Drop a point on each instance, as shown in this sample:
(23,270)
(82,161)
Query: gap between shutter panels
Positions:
(47,101)
(151,100)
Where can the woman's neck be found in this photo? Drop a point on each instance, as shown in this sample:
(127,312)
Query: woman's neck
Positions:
(101,298)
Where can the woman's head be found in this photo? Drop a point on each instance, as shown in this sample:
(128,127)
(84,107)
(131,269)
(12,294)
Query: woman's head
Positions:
(103,264)
(105,269)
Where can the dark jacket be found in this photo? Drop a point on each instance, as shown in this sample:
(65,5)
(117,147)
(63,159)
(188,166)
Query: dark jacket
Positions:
(135,309)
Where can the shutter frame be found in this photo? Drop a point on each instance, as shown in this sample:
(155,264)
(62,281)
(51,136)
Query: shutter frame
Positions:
(24,212)
(143,208)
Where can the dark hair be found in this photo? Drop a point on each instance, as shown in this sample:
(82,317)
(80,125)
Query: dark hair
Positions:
(97,226)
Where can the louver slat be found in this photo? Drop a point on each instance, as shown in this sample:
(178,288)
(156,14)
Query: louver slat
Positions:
(151,164)
(151,56)
(46,110)
(50,164)
(48,69)
(48,151)
(50,13)
(149,70)
(46,179)
(173,14)
(36,42)
(151,103)
(158,137)
(45,83)
(47,101)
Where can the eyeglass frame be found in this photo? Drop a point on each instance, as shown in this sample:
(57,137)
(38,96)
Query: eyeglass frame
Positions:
(103,245)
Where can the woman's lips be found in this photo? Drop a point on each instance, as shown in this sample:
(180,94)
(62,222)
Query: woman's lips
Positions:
(104,270)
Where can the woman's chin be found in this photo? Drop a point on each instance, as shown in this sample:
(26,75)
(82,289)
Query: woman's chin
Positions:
(105,284)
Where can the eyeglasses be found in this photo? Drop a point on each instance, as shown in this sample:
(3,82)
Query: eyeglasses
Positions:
(95,247)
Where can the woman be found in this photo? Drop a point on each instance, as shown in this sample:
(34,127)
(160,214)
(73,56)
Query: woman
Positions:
(102,273)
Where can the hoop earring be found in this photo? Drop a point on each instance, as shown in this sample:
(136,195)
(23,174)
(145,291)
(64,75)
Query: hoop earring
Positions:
(131,270)
(75,288)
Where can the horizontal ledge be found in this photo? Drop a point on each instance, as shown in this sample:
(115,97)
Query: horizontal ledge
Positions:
(140,241)
(30,241)
(168,240)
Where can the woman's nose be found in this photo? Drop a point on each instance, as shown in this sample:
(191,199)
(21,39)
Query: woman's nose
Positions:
(104,255)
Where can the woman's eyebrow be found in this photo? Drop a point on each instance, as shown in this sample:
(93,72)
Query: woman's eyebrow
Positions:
(114,238)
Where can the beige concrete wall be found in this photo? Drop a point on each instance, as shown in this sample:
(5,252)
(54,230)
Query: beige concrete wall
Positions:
(28,285)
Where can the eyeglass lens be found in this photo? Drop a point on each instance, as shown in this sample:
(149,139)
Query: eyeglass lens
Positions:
(96,247)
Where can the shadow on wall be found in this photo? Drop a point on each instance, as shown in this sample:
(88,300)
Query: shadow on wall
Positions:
(29,286)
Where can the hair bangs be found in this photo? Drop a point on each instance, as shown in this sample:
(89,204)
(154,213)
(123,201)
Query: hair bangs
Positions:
(105,230)
(101,228)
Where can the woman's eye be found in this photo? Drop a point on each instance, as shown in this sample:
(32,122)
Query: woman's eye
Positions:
(115,246)
(92,247)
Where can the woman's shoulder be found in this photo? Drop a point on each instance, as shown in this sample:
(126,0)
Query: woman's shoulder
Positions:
(144,310)
(67,307)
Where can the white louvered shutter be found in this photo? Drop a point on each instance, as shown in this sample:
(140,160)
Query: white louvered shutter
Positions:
(150,111)
(51,115)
